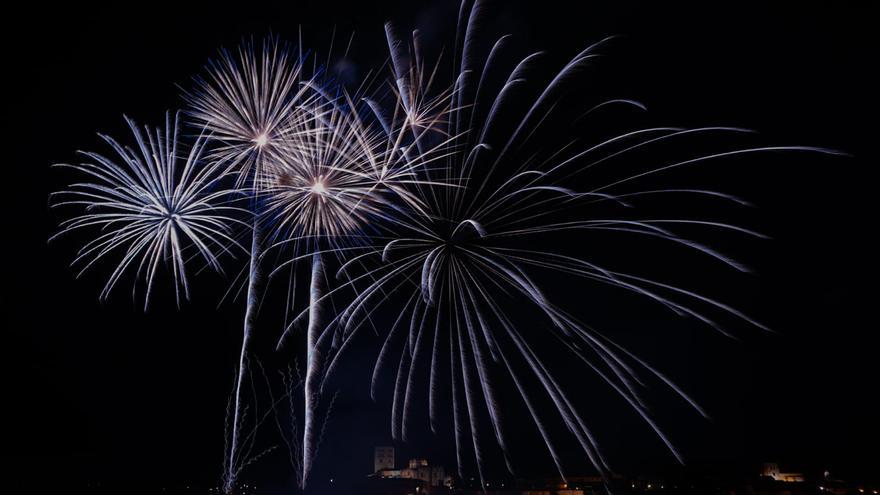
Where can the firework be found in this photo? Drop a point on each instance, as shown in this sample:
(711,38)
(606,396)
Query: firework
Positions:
(317,173)
(248,102)
(456,270)
(151,205)
(319,192)
(322,184)
(441,203)
(332,175)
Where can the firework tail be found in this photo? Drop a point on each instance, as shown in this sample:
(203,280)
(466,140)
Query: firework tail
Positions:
(314,364)
(250,317)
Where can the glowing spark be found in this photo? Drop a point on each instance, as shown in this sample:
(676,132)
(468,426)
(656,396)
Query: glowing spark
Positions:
(318,187)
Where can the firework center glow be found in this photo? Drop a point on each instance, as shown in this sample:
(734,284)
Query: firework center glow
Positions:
(318,186)
(261,140)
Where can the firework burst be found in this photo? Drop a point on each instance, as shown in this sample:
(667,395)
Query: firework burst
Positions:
(152,205)
(457,271)
(321,184)
(247,101)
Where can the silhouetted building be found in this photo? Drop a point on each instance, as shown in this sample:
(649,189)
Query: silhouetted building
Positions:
(771,470)
(383,458)
(417,469)
(419,476)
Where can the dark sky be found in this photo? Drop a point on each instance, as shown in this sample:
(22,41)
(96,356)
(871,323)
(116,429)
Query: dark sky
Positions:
(101,391)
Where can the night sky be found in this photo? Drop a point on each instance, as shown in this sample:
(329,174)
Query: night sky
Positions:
(103,392)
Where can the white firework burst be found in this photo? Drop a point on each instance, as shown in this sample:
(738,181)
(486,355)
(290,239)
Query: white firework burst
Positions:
(154,204)
(321,184)
(247,99)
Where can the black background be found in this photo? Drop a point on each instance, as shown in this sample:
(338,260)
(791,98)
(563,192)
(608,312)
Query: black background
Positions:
(102,392)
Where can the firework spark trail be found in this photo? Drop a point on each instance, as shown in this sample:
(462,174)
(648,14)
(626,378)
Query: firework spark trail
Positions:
(290,384)
(151,209)
(463,257)
(315,362)
(295,443)
(247,454)
(250,316)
